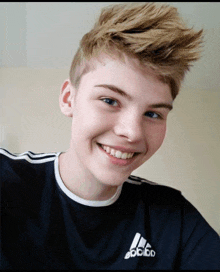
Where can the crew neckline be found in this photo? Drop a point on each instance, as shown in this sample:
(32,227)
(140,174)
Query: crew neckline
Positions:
(86,202)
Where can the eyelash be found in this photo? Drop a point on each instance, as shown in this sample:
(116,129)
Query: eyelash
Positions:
(113,100)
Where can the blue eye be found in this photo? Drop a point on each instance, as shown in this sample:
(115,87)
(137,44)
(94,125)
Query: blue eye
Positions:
(110,101)
(152,114)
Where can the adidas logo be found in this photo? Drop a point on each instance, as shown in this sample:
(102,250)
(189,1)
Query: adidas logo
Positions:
(139,249)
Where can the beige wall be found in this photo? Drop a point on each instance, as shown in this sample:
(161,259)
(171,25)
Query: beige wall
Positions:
(36,40)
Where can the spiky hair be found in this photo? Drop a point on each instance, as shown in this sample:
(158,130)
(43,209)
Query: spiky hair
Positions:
(154,34)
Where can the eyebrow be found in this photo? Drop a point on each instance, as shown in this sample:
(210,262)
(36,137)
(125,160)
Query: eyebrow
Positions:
(123,93)
(162,105)
(115,89)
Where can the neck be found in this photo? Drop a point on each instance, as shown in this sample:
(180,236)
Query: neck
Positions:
(81,183)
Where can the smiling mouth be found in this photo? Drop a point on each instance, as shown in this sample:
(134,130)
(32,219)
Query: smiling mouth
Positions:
(117,153)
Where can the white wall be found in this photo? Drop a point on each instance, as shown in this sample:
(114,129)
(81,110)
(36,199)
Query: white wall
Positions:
(39,41)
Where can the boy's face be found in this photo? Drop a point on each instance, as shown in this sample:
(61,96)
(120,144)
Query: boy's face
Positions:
(118,108)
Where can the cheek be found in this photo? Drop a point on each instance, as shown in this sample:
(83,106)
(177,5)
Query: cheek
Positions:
(90,123)
(156,136)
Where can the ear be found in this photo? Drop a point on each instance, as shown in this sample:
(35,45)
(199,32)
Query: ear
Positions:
(66,98)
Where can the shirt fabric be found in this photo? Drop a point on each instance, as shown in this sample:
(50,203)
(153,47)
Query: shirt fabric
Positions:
(143,226)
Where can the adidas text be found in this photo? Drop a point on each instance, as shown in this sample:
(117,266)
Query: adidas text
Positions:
(140,252)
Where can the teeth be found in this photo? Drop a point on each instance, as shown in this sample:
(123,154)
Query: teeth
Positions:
(116,153)
(112,152)
(124,156)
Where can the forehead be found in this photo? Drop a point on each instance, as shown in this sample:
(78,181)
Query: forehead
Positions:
(126,73)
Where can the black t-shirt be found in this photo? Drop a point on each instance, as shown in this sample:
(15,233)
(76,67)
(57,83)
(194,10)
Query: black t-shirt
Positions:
(143,226)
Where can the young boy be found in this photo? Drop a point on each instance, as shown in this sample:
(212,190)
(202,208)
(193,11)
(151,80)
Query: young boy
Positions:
(82,209)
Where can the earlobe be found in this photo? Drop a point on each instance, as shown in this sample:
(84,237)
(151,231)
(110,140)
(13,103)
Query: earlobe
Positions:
(65,99)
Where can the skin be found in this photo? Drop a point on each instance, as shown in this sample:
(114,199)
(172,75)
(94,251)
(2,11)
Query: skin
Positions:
(101,115)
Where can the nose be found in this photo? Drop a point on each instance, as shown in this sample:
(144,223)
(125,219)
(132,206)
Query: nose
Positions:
(130,127)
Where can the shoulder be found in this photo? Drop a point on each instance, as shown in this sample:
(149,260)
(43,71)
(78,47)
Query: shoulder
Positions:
(15,167)
(154,193)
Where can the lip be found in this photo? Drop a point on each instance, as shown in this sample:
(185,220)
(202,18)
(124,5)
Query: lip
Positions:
(122,149)
(117,161)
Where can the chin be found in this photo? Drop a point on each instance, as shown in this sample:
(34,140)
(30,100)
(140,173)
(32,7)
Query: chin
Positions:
(113,180)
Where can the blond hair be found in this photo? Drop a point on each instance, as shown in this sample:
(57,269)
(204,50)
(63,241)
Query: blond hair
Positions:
(154,34)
